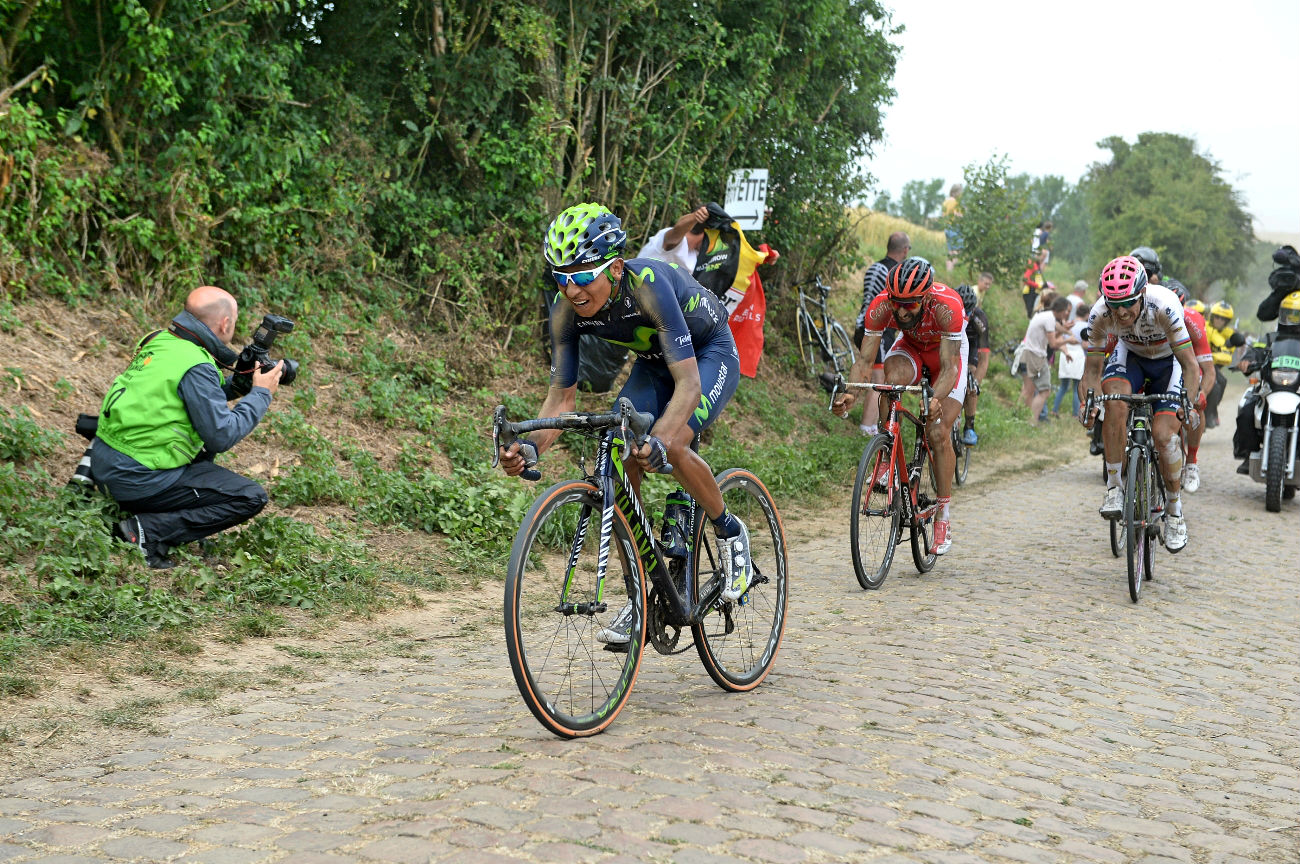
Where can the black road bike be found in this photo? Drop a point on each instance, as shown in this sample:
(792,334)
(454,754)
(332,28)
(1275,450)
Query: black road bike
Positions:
(586,549)
(1142,518)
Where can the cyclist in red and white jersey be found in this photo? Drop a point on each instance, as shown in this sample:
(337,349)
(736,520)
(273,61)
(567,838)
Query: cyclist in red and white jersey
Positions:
(932,337)
(1153,355)
(1195,322)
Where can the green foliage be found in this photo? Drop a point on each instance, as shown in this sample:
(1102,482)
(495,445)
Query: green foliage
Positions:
(413,152)
(1161,192)
(22,439)
(996,223)
(920,200)
(67,580)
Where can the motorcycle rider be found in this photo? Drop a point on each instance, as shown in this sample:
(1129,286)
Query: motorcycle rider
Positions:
(1247,439)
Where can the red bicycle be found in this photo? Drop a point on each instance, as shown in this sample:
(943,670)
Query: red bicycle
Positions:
(888,492)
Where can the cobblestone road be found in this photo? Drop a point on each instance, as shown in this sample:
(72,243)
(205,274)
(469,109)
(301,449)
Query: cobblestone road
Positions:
(1013,705)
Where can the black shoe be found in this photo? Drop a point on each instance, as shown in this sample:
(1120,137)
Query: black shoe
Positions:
(130,530)
(1244,467)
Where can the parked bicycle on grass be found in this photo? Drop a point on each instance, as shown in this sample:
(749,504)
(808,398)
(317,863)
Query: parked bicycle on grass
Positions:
(824,344)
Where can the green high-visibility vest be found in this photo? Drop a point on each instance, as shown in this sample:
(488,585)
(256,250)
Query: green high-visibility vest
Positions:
(143,415)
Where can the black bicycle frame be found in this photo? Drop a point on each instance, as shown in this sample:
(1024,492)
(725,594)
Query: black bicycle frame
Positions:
(615,490)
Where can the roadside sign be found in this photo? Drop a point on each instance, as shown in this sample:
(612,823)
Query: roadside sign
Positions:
(747,197)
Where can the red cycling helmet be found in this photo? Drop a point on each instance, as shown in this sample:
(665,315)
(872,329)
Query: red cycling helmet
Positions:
(910,280)
(1122,279)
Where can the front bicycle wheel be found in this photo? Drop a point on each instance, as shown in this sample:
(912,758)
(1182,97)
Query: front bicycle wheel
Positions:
(923,482)
(555,606)
(874,514)
(1136,510)
(738,639)
(809,348)
(841,349)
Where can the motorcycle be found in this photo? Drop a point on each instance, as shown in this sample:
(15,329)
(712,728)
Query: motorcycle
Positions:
(1277,421)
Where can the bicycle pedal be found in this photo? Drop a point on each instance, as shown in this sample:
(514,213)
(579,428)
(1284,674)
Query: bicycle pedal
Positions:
(616,649)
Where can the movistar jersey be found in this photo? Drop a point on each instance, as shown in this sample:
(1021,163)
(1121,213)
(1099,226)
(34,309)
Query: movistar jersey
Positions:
(658,311)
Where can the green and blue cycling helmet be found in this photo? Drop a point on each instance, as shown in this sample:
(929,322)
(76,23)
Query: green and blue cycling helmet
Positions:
(584,234)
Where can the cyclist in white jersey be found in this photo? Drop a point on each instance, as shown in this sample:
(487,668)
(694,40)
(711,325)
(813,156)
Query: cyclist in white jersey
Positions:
(1152,354)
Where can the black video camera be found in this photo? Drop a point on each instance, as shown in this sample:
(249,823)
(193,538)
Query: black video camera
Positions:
(257,355)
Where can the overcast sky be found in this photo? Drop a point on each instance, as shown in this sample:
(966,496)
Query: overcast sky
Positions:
(1043,82)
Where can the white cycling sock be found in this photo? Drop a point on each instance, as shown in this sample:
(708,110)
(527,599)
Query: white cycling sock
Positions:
(1112,475)
(1174,504)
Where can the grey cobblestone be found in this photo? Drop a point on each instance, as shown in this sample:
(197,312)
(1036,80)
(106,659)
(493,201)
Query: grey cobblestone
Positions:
(1010,706)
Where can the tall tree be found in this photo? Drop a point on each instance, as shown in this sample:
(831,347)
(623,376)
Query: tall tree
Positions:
(921,200)
(996,223)
(1160,192)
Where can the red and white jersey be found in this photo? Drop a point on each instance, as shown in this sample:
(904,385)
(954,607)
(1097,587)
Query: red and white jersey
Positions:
(1200,338)
(1158,332)
(942,317)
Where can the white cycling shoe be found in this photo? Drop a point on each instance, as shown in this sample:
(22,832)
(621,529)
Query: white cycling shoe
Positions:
(1112,506)
(1191,478)
(1175,532)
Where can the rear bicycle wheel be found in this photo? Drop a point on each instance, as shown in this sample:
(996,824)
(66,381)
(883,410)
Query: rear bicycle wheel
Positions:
(554,607)
(841,349)
(1117,535)
(959,448)
(1136,511)
(737,640)
(923,528)
(874,515)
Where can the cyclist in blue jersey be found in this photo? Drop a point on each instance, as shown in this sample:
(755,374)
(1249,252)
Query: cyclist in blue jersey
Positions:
(685,372)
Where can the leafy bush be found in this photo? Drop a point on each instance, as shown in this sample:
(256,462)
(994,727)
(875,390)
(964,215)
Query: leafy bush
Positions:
(22,439)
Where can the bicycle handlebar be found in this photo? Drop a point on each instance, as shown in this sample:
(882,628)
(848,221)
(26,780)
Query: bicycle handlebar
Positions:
(625,416)
(922,388)
(1138,399)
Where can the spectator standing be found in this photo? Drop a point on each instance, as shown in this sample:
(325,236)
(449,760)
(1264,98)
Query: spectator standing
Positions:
(679,243)
(1039,246)
(1043,332)
(1078,299)
(982,285)
(1071,360)
(952,210)
(873,283)
(1030,284)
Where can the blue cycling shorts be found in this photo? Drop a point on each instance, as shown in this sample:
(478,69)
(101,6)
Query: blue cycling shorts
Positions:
(650,385)
(1146,375)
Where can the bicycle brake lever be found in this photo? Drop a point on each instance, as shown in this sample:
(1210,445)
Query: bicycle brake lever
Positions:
(835,390)
(498,420)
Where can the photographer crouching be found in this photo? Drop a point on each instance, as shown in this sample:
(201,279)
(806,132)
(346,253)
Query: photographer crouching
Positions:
(167,416)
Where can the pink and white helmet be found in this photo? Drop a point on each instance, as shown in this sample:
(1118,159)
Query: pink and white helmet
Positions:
(1122,279)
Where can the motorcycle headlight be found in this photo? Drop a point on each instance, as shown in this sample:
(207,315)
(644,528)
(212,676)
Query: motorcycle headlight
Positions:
(1282,377)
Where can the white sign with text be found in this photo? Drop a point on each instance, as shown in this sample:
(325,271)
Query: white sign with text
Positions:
(747,197)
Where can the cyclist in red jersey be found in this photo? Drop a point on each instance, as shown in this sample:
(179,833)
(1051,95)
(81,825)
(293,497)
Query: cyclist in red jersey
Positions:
(932,338)
(1195,322)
